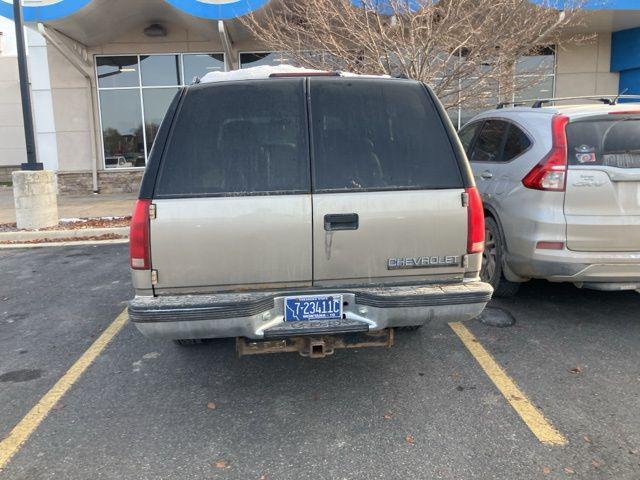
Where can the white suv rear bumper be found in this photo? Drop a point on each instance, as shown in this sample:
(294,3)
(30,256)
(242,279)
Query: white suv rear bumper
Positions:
(622,268)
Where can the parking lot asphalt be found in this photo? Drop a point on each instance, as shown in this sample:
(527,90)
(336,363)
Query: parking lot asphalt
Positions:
(149,409)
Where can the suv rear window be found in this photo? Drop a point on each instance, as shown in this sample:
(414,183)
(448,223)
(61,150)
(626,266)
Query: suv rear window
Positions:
(613,142)
(241,138)
(371,134)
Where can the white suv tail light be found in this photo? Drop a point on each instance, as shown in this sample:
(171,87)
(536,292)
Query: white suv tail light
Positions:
(551,173)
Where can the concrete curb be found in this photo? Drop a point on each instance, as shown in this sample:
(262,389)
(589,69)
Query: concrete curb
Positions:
(8,246)
(52,235)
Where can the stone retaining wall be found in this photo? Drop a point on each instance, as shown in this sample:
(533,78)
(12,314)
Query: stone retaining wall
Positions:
(5,173)
(108,182)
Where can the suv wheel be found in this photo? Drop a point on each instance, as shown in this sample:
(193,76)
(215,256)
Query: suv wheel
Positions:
(491,271)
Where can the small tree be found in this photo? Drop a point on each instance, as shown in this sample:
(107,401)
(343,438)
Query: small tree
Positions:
(467,50)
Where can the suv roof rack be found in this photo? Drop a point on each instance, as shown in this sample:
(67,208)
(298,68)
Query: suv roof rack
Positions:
(539,102)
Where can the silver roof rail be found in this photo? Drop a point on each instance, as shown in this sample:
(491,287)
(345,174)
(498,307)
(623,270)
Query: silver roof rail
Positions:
(539,102)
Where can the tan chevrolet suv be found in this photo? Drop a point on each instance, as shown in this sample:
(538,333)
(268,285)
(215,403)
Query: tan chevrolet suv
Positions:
(305,212)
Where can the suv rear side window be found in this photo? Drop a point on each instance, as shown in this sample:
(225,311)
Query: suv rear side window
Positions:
(241,138)
(516,143)
(371,134)
(467,134)
(488,146)
(613,142)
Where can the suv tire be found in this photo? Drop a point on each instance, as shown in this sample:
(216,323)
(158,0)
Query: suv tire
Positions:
(492,259)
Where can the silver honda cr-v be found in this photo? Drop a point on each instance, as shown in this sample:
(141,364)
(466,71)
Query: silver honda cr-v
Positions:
(304,206)
(561,191)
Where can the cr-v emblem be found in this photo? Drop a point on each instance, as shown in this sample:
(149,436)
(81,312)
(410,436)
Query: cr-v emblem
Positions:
(588,181)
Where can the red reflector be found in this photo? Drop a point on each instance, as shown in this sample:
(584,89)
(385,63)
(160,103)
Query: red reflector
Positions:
(550,245)
(551,173)
(139,236)
(475,215)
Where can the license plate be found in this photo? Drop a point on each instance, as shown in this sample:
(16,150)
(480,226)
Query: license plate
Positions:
(312,307)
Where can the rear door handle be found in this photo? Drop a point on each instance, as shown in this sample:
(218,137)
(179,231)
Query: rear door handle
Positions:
(341,221)
(486,175)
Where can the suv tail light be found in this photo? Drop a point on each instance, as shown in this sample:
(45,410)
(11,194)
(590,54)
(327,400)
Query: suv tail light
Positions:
(551,173)
(475,231)
(139,236)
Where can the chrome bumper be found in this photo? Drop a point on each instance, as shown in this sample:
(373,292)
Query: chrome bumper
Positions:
(260,315)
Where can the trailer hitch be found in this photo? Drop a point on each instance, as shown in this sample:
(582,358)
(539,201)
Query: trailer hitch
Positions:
(316,346)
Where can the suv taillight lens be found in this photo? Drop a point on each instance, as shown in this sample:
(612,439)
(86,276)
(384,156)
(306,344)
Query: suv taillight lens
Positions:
(139,236)
(551,173)
(475,231)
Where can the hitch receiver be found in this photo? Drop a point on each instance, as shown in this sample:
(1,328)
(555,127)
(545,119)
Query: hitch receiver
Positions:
(316,346)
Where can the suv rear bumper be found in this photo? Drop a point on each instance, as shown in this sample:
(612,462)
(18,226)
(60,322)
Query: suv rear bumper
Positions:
(259,315)
(612,268)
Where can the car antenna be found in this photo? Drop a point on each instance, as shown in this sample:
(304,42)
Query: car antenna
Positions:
(617,97)
(196,80)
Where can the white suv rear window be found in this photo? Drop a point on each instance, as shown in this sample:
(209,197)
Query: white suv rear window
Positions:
(613,142)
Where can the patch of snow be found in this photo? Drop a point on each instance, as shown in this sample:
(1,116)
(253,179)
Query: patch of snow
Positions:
(264,71)
(88,219)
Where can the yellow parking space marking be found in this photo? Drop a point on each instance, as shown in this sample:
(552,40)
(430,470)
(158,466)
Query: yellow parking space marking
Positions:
(21,432)
(533,417)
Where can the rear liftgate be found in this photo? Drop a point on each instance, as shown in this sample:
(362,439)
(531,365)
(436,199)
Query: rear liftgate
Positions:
(316,346)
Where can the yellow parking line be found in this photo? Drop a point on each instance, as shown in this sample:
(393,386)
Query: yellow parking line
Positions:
(533,417)
(21,432)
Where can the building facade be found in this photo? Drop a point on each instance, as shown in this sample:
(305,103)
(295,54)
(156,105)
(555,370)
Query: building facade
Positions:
(104,71)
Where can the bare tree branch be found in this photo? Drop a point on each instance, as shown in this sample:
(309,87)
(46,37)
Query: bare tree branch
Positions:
(467,50)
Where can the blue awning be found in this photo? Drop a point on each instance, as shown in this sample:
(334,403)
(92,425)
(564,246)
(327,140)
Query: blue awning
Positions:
(226,9)
(211,9)
(44,13)
(218,9)
(229,9)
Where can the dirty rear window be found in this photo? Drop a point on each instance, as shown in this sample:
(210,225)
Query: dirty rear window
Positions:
(378,135)
(613,142)
(238,139)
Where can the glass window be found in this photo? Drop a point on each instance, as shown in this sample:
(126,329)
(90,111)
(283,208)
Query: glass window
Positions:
(378,134)
(238,139)
(467,135)
(198,65)
(122,128)
(488,146)
(256,59)
(117,72)
(131,118)
(612,142)
(515,144)
(542,63)
(156,102)
(160,70)
(533,88)
(483,99)
(535,75)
